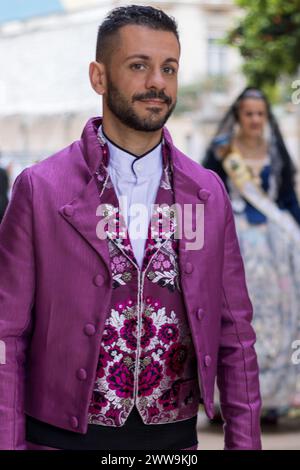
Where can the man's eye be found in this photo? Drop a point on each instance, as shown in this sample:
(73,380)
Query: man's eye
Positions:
(169,70)
(137,66)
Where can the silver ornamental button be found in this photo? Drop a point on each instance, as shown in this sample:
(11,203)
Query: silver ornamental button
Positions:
(127,361)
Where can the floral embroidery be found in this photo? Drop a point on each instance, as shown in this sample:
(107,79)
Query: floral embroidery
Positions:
(164,269)
(121,267)
(99,401)
(147,357)
(121,378)
(168,333)
(128,333)
(110,335)
(160,255)
(175,359)
(104,357)
(165,348)
(150,378)
(169,398)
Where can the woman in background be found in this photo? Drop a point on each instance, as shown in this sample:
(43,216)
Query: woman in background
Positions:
(249,154)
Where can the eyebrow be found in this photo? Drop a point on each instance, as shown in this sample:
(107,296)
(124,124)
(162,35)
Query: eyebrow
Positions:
(146,57)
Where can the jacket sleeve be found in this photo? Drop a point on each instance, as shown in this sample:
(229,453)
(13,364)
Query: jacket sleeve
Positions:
(238,373)
(17,282)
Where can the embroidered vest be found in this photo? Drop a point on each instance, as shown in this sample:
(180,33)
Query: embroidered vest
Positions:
(147,356)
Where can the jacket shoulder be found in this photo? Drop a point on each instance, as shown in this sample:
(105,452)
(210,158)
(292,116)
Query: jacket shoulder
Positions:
(60,163)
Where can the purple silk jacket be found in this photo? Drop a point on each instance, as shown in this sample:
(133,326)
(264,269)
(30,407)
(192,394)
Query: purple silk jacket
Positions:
(56,286)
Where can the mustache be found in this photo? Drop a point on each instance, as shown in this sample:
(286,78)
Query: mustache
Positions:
(152,94)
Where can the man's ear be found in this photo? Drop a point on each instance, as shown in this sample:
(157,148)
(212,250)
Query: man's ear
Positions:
(98,77)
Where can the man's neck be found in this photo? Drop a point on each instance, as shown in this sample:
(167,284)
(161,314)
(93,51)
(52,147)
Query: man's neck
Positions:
(135,142)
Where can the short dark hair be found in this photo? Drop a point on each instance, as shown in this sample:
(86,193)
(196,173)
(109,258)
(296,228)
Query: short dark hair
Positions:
(131,15)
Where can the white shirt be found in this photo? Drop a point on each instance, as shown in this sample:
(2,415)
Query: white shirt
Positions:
(136,181)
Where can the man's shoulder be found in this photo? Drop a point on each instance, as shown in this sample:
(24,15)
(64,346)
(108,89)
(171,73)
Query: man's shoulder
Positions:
(59,163)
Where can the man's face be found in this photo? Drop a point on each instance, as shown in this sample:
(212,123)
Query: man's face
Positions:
(141,77)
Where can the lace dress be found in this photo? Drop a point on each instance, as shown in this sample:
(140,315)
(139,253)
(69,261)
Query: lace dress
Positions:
(272,267)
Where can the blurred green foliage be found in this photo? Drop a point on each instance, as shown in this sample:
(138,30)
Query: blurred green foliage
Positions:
(268,38)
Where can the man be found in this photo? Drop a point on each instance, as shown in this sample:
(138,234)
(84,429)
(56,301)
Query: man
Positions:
(115,330)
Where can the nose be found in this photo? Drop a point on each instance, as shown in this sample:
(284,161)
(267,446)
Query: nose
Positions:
(257,120)
(259,116)
(155,79)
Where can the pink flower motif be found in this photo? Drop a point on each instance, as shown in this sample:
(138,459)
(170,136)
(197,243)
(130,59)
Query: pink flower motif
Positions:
(128,333)
(166,264)
(103,360)
(175,359)
(168,333)
(150,379)
(110,334)
(97,403)
(169,398)
(121,267)
(156,264)
(152,411)
(114,414)
(121,379)
(153,303)
(160,257)
(148,331)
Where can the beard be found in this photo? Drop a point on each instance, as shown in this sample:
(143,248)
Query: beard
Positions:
(122,108)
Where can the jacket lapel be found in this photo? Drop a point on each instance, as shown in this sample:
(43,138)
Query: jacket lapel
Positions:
(83,214)
(193,264)
(97,206)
